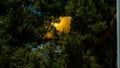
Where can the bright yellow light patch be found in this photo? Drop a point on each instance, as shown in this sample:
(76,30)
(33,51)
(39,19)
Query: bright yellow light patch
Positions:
(64,25)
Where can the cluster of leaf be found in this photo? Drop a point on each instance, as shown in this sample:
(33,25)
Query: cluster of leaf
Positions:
(80,48)
(24,57)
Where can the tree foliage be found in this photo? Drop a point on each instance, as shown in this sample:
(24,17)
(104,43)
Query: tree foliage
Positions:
(83,34)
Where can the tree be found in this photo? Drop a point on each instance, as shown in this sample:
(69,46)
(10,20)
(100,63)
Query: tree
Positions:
(89,42)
